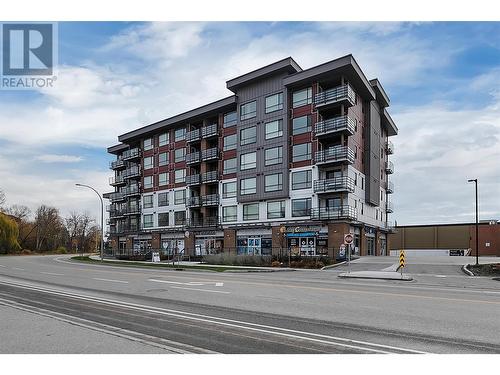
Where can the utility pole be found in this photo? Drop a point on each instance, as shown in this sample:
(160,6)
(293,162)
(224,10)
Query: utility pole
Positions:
(477,222)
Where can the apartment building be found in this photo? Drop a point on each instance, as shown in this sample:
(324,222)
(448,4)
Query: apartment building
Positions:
(292,161)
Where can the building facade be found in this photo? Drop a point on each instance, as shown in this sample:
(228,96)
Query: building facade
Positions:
(292,161)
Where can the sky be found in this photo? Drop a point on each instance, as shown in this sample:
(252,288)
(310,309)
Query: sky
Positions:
(443,79)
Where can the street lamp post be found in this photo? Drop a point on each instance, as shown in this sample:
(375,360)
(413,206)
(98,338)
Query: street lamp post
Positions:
(102,216)
(477,223)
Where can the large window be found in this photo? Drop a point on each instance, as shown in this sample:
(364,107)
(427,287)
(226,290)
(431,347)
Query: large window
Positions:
(274,129)
(180,217)
(274,155)
(230,119)
(180,154)
(180,196)
(301,207)
(163,219)
(248,161)
(274,102)
(302,97)
(163,139)
(248,110)
(273,182)
(147,144)
(229,213)
(301,152)
(147,221)
(148,162)
(180,176)
(163,179)
(180,134)
(163,199)
(230,166)
(148,182)
(276,210)
(163,159)
(147,201)
(251,211)
(248,186)
(301,125)
(230,142)
(229,190)
(248,135)
(301,180)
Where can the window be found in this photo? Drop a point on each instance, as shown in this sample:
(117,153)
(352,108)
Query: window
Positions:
(180,134)
(147,144)
(180,217)
(230,166)
(147,221)
(230,119)
(248,135)
(276,210)
(163,199)
(273,182)
(148,162)
(274,129)
(248,161)
(180,154)
(163,179)
(148,182)
(301,180)
(301,125)
(274,102)
(248,110)
(163,159)
(301,207)
(163,139)
(251,211)
(180,176)
(148,201)
(230,142)
(163,219)
(229,190)
(301,152)
(248,185)
(180,196)
(274,156)
(229,213)
(302,97)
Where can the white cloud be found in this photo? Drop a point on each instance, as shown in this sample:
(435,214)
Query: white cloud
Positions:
(53,158)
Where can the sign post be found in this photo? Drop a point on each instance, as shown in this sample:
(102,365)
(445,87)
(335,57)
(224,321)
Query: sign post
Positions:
(402,261)
(348,238)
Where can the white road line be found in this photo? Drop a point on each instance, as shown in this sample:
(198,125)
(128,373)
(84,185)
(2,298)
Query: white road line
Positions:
(219,284)
(3,266)
(18,269)
(52,273)
(439,275)
(190,283)
(200,290)
(168,282)
(110,280)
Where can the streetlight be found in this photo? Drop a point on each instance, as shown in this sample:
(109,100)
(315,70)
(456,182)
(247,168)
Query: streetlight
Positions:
(477,224)
(102,217)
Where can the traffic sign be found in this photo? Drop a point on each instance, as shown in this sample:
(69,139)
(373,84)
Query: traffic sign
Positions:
(348,238)
(402,259)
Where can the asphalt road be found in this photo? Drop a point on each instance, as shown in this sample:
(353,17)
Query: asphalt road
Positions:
(273,312)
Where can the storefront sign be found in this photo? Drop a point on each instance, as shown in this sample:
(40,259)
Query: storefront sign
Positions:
(301,234)
(299,229)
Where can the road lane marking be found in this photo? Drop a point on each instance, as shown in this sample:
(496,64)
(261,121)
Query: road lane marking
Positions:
(219,284)
(200,290)
(52,273)
(439,275)
(18,269)
(110,280)
(190,283)
(3,266)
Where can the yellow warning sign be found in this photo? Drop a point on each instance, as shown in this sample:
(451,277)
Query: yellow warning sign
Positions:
(402,259)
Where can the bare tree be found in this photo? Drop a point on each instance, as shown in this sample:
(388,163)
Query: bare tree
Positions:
(20,211)
(2,199)
(50,231)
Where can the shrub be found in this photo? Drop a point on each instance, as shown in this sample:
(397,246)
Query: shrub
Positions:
(61,250)
(26,252)
(237,260)
(275,263)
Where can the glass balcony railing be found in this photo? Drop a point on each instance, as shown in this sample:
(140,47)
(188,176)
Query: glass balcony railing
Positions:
(131,154)
(334,125)
(334,213)
(209,154)
(335,154)
(389,167)
(338,94)
(193,179)
(211,176)
(343,183)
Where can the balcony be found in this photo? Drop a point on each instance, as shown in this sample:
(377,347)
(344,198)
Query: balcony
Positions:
(210,200)
(133,172)
(199,222)
(389,148)
(193,135)
(389,187)
(193,179)
(193,201)
(117,196)
(117,180)
(133,210)
(131,154)
(132,190)
(212,176)
(210,154)
(116,212)
(338,95)
(193,158)
(117,164)
(389,208)
(335,125)
(209,131)
(335,154)
(389,167)
(336,184)
(334,213)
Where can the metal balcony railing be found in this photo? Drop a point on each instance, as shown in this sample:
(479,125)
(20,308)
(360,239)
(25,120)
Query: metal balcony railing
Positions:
(389,187)
(389,147)
(390,207)
(193,201)
(203,222)
(117,180)
(211,153)
(344,183)
(210,200)
(117,196)
(193,157)
(389,167)
(335,154)
(131,154)
(132,172)
(334,213)
(193,135)
(209,131)
(120,163)
(132,190)
(133,210)
(116,212)
(193,179)
(334,125)
(336,94)
(212,176)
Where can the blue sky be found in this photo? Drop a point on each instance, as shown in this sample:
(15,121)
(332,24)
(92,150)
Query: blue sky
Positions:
(443,80)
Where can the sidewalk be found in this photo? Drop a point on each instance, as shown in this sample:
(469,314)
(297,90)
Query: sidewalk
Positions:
(380,275)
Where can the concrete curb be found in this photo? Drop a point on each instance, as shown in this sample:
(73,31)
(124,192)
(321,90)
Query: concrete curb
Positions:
(333,265)
(467,271)
(375,275)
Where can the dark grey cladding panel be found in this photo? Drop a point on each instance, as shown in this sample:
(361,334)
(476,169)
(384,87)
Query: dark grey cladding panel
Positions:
(259,91)
(389,124)
(116,149)
(372,155)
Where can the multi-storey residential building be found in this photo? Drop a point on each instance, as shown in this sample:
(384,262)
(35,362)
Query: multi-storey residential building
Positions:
(293,160)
